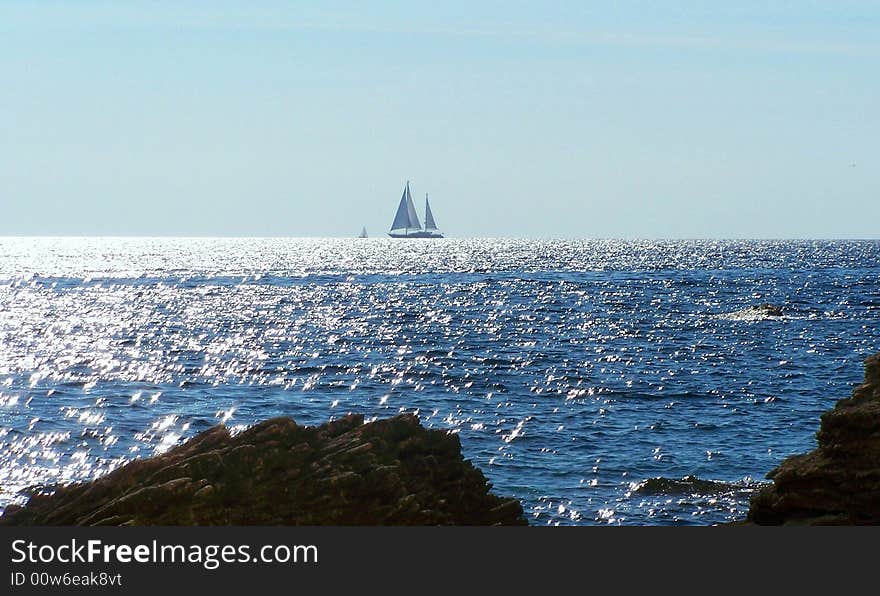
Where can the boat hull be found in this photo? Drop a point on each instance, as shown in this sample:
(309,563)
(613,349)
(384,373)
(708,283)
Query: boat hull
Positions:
(420,234)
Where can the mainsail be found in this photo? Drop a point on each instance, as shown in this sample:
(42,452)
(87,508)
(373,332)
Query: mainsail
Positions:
(429,217)
(406,218)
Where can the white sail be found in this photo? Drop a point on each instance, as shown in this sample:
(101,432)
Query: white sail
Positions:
(406,218)
(430,224)
(411,210)
(401,218)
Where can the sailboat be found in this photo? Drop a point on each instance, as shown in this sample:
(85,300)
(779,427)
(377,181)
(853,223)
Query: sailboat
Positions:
(406,223)
(363,233)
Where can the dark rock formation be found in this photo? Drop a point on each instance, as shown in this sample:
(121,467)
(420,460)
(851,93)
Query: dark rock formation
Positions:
(689,485)
(839,481)
(345,472)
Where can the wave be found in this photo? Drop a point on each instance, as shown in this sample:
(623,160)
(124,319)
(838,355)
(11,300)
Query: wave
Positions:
(758,312)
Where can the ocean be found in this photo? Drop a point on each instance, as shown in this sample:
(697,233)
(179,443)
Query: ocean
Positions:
(598,381)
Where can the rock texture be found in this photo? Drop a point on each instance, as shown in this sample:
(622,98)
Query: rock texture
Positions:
(345,472)
(839,481)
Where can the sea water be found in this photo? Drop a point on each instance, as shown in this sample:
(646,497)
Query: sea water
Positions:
(598,381)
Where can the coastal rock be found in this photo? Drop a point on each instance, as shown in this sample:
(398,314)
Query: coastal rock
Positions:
(344,472)
(689,485)
(838,483)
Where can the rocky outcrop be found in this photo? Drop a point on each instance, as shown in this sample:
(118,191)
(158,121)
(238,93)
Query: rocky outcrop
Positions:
(839,481)
(345,472)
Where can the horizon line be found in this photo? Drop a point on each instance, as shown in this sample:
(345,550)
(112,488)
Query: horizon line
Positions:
(385,237)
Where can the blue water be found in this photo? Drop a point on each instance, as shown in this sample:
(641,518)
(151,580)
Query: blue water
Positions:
(572,371)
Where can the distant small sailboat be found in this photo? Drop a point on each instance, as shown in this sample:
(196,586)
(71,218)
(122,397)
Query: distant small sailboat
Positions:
(406,223)
(363,232)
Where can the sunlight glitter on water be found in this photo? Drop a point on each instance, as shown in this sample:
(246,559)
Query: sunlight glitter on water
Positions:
(569,368)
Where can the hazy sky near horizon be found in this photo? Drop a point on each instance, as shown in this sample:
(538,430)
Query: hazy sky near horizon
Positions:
(526,119)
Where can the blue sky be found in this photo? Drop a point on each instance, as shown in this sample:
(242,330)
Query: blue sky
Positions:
(551,119)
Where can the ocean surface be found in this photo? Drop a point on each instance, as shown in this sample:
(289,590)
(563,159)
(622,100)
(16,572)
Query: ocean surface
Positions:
(599,381)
